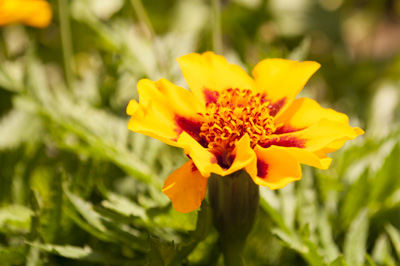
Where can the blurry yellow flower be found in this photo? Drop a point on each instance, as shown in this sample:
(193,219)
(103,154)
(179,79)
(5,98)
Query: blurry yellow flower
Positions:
(35,13)
(230,121)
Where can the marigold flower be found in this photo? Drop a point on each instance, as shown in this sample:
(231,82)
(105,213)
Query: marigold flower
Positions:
(35,13)
(230,121)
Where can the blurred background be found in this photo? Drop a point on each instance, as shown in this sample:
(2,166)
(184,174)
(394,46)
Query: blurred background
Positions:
(78,188)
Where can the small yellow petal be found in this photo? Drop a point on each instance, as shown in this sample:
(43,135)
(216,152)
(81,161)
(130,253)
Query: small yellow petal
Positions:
(35,13)
(165,111)
(275,168)
(281,80)
(208,162)
(186,188)
(303,113)
(208,73)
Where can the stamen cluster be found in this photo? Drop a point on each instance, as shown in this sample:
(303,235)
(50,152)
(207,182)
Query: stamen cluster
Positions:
(235,113)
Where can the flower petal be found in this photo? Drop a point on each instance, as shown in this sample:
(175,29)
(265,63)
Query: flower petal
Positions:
(186,188)
(36,13)
(209,73)
(275,168)
(305,112)
(315,137)
(165,111)
(208,162)
(281,80)
(309,146)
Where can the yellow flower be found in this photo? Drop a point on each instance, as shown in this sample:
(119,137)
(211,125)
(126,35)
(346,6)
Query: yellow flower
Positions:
(36,13)
(230,121)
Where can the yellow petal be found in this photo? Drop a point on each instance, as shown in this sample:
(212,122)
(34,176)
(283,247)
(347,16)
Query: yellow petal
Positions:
(303,113)
(209,73)
(309,146)
(275,168)
(281,80)
(36,13)
(186,188)
(315,137)
(315,159)
(208,162)
(164,111)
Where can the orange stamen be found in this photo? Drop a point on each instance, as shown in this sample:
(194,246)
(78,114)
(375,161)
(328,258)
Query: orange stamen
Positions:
(235,113)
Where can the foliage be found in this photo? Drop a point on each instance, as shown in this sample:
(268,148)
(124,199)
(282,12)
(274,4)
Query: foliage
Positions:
(77,188)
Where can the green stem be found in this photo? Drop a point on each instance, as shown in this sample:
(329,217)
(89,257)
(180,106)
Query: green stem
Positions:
(216,30)
(144,19)
(66,40)
(142,16)
(234,200)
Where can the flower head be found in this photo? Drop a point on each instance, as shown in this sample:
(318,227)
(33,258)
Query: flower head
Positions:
(230,121)
(35,13)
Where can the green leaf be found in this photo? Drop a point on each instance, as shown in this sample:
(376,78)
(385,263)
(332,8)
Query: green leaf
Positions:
(162,253)
(83,254)
(355,199)
(47,189)
(339,261)
(383,184)
(326,236)
(12,255)
(356,238)
(102,227)
(369,261)
(273,213)
(382,251)
(204,222)
(124,206)
(15,218)
(394,235)
(17,127)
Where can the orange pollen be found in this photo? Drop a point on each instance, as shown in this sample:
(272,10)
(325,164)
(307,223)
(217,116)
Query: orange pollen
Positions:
(235,113)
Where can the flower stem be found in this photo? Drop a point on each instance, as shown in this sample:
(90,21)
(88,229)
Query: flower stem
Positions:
(234,200)
(66,40)
(216,30)
(152,36)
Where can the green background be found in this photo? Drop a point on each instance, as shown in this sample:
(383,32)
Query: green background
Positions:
(78,188)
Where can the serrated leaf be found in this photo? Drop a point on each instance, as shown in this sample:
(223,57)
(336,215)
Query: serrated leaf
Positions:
(356,238)
(290,240)
(325,234)
(103,228)
(124,206)
(274,214)
(17,127)
(83,254)
(162,253)
(15,218)
(86,210)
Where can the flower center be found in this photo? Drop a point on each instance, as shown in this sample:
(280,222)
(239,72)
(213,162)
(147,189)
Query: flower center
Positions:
(235,113)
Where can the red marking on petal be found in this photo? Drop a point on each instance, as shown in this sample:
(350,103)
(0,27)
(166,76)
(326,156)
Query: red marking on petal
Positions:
(194,168)
(210,96)
(262,169)
(286,129)
(276,106)
(285,141)
(225,161)
(190,126)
